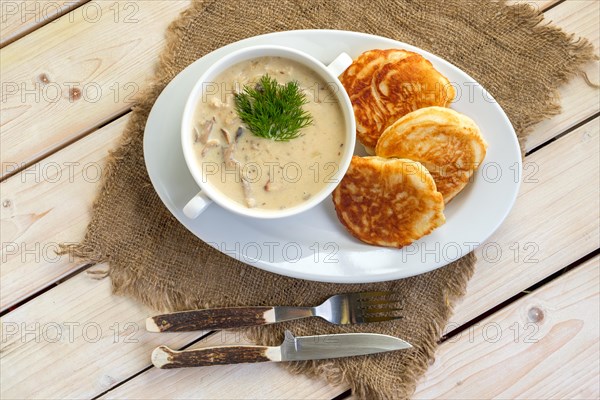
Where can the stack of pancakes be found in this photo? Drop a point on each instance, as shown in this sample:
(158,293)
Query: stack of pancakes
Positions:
(425,153)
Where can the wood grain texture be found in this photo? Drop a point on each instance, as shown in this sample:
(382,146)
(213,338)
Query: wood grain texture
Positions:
(553,185)
(19,17)
(545,345)
(118,364)
(492,284)
(260,381)
(579,100)
(210,319)
(47,204)
(70,76)
(555,222)
(165,358)
(115,72)
(76,341)
(579,17)
(21,279)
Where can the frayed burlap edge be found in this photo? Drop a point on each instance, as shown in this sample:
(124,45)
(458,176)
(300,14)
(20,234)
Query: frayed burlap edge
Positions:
(413,366)
(164,299)
(580,49)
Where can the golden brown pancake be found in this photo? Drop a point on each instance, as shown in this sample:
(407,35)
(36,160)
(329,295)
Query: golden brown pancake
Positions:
(447,143)
(388,202)
(358,75)
(385,85)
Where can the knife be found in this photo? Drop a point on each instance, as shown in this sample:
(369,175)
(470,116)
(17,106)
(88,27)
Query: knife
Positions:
(292,349)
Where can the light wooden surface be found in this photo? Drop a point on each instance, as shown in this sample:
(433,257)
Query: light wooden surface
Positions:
(82,341)
(583,143)
(77,73)
(579,102)
(32,229)
(21,17)
(545,345)
(103,349)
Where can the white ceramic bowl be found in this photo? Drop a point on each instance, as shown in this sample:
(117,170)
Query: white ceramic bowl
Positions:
(208,193)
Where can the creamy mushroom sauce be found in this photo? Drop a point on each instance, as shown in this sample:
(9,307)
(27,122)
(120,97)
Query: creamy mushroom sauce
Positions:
(264,173)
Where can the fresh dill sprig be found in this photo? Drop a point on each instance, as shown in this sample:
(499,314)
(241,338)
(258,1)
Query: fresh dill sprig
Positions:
(273,111)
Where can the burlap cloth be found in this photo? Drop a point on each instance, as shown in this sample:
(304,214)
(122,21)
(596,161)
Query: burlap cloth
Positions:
(153,258)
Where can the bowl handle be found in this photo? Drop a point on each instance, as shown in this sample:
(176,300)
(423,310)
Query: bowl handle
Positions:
(196,205)
(339,65)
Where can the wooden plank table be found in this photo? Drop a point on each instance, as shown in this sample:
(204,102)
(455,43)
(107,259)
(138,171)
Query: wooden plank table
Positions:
(527,328)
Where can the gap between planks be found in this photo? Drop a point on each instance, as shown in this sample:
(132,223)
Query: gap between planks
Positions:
(580,102)
(156,384)
(450,334)
(109,59)
(85,303)
(16,16)
(145,386)
(545,345)
(61,128)
(32,230)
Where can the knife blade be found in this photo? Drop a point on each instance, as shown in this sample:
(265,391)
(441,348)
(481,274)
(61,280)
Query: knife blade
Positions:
(292,349)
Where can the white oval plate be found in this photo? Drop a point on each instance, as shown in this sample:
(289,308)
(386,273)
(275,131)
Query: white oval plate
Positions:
(314,245)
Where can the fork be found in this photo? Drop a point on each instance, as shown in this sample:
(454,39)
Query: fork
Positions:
(340,309)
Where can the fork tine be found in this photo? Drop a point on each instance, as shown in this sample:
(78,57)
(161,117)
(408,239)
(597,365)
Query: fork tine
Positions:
(380,319)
